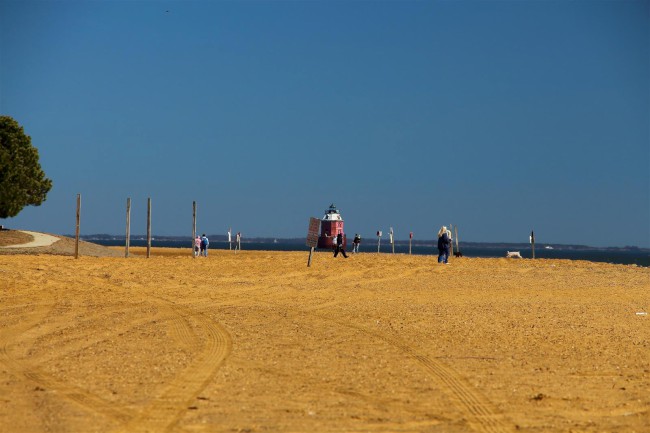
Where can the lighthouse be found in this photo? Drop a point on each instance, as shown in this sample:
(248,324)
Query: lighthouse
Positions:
(331,225)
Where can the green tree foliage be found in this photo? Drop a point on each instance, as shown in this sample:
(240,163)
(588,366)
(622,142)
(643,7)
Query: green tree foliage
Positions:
(22,181)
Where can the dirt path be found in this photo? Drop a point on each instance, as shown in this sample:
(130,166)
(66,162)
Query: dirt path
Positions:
(18,242)
(39,240)
(258,342)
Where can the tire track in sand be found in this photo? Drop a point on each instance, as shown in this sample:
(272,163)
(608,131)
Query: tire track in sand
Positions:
(481,414)
(180,328)
(75,340)
(32,373)
(166,409)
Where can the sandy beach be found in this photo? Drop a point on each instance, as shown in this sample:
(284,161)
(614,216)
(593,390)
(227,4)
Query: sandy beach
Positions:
(258,342)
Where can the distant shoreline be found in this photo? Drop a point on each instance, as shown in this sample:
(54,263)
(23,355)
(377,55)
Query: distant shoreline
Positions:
(370,241)
(625,256)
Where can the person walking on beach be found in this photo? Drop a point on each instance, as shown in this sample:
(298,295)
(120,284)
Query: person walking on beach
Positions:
(204,245)
(443,245)
(197,245)
(355,243)
(339,246)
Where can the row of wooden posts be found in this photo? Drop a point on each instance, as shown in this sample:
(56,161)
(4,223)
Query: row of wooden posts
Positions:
(392,242)
(128,227)
(452,227)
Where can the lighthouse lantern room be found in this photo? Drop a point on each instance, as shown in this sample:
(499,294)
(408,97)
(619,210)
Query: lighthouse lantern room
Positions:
(331,225)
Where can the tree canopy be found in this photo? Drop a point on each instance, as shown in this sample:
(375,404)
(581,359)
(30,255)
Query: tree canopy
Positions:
(22,181)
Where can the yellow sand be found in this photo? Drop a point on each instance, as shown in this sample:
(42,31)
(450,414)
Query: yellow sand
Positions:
(258,342)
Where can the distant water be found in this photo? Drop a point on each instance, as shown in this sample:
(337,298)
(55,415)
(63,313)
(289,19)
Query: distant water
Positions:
(638,258)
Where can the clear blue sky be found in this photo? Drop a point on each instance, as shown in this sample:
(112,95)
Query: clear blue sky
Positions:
(497,116)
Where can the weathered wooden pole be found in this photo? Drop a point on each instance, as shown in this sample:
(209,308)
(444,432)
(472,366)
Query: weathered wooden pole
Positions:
(451,243)
(193,226)
(532,242)
(378,240)
(456,237)
(76,241)
(410,239)
(128,227)
(392,241)
(149,227)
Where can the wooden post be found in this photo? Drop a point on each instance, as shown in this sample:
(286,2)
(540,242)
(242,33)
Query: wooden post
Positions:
(378,241)
(410,239)
(193,226)
(76,242)
(230,238)
(532,242)
(128,227)
(311,251)
(451,243)
(456,236)
(149,227)
(392,240)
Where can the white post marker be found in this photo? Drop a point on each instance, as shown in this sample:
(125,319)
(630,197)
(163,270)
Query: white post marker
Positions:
(532,242)
(390,234)
(410,239)
(379,233)
(312,236)
(230,238)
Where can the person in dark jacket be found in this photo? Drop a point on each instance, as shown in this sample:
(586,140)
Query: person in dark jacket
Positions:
(204,245)
(339,246)
(444,241)
(355,243)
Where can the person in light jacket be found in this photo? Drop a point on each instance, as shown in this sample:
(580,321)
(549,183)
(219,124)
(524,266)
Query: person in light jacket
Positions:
(197,245)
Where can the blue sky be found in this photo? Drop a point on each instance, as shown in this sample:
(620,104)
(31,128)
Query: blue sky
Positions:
(496,116)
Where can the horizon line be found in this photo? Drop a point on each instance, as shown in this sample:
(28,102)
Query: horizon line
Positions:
(122,236)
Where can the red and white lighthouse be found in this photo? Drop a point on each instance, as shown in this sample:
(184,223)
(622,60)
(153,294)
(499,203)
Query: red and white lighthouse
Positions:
(331,225)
